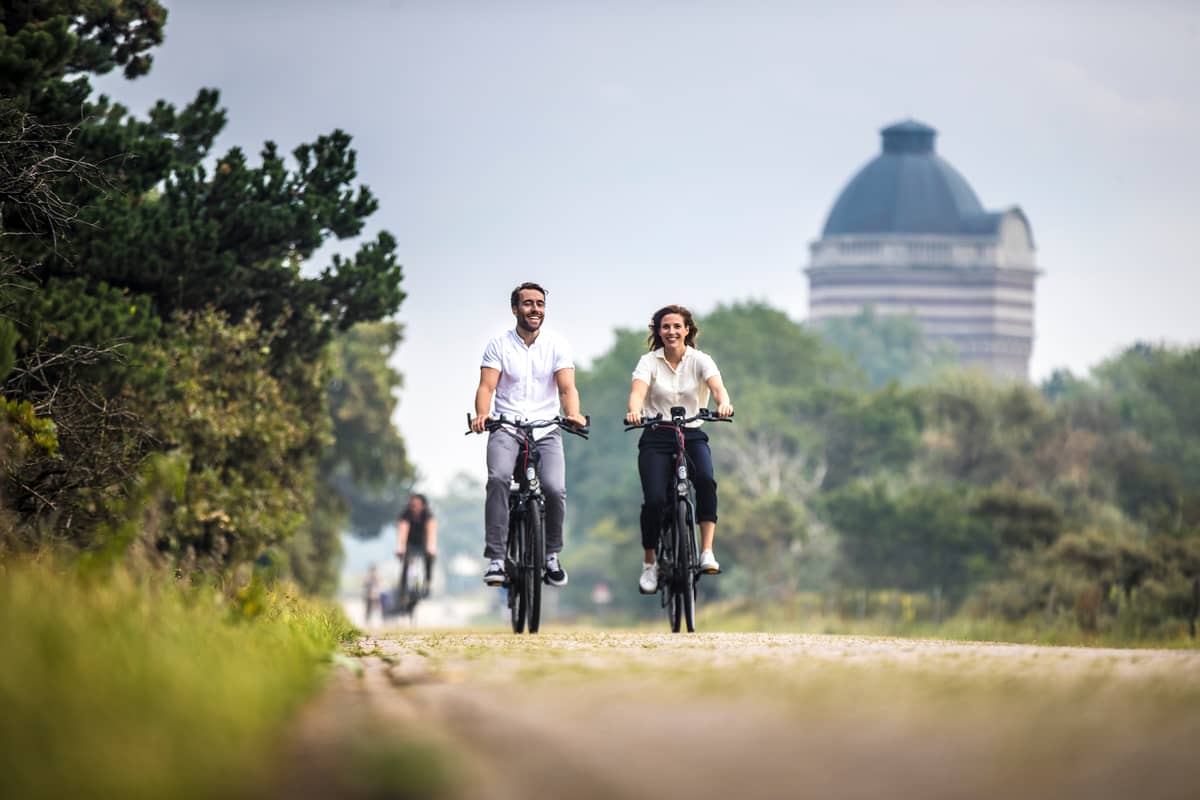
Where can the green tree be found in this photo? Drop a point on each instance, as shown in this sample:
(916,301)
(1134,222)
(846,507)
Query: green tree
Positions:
(889,347)
(910,537)
(183,280)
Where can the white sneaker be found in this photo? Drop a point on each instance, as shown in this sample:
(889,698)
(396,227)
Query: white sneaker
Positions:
(708,563)
(648,583)
(495,573)
(555,574)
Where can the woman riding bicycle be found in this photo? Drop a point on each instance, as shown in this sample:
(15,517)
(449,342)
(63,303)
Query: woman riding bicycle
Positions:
(675,373)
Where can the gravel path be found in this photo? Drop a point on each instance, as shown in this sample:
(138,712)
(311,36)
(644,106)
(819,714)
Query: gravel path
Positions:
(637,715)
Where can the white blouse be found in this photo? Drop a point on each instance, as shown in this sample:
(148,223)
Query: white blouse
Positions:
(685,385)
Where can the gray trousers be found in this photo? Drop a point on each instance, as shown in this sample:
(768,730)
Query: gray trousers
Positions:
(503,449)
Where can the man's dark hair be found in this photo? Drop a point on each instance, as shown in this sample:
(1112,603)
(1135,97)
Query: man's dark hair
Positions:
(516,293)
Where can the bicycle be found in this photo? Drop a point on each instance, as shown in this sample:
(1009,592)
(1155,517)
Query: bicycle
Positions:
(412,589)
(678,561)
(525,554)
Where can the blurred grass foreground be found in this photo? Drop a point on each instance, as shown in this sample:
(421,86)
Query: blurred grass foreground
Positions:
(120,686)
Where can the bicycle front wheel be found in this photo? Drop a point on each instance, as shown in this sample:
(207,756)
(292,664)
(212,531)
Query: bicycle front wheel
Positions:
(686,553)
(673,576)
(517,577)
(535,551)
(402,589)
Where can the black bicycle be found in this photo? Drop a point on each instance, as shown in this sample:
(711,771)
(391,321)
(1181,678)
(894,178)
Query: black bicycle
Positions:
(678,556)
(412,589)
(525,556)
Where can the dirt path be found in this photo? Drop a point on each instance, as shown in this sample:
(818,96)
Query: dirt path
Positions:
(621,715)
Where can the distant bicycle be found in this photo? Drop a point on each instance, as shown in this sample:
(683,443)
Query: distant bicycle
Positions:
(679,568)
(525,555)
(412,588)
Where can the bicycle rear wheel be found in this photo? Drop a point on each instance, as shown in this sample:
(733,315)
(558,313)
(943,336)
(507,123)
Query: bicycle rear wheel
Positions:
(517,577)
(686,559)
(535,552)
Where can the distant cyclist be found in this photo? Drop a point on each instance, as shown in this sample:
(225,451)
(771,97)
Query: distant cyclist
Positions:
(528,372)
(372,597)
(416,533)
(675,373)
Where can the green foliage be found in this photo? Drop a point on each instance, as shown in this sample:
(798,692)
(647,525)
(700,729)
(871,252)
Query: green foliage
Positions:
(8,348)
(250,439)
(1157,387)
(31,431)
(981,433)
(47,40)
(362,398)
(1021,519)
(889,348)
(869,433)
(137,332)
(134,687)
(911,537)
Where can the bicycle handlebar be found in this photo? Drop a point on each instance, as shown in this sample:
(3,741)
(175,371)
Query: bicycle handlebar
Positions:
(653,422)
(496,423)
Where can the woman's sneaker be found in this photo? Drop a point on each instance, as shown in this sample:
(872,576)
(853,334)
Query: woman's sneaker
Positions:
(648,583)
(708,563)
(495,573)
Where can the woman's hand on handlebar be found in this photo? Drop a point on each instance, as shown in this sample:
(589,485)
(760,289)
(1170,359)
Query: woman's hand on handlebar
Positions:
(633,418)
(725,410)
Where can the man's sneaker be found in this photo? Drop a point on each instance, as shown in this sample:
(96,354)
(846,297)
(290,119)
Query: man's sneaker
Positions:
(648,583)
(555,574)
(495,573)
(708,563)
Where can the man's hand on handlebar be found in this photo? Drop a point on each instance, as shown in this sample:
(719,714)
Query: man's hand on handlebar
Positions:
(579,424)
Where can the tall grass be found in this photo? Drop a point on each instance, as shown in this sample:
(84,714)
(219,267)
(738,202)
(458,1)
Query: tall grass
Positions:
(127,687)
(901,614)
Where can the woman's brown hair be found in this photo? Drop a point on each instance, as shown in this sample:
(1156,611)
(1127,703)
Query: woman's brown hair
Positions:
(654,340)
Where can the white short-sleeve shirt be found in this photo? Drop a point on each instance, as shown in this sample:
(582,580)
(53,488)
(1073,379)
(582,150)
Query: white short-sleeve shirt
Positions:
(686,385)
(527,388)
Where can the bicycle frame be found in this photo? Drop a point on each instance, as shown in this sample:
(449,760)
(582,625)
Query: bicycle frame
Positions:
(524,555)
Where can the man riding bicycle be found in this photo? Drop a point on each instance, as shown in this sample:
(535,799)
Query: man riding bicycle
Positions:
(416,533)
(528,372)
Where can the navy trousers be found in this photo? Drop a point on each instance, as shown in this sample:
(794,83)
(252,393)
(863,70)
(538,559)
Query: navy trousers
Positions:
(656,466)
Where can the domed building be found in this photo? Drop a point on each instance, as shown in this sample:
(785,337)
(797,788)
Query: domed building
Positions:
(909,236)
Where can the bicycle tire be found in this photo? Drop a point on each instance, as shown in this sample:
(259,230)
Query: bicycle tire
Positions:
(535,549)
(402,589)
(674,611)
(672,576)
(516,581)
(687,564)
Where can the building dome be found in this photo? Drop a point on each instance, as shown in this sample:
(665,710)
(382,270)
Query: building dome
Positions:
(908,189)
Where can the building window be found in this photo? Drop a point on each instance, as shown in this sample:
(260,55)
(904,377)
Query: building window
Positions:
(930,252)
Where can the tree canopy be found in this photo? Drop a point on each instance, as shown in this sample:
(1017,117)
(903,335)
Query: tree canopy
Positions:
(154,307)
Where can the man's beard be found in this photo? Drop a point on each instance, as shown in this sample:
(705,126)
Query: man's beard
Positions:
(523,325)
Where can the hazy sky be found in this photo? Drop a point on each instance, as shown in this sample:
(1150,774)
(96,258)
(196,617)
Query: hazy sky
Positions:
(631,154)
